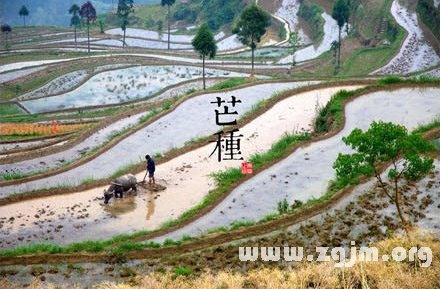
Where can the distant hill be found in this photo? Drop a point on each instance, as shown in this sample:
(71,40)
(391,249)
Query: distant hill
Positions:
(216,13)
(51,12)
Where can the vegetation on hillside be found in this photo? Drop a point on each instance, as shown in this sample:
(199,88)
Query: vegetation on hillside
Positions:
(251,27)
(311,13)
(430,15)
(150,16)
(386,142)
(204,44)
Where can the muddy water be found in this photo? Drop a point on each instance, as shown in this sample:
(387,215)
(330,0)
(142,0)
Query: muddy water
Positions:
(191,119)
(306,173)
(186,178)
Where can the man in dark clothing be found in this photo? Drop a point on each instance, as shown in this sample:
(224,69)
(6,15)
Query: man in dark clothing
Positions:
(151,167)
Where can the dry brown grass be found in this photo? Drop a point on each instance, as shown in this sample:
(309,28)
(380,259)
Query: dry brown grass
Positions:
(380,275)
(364,275)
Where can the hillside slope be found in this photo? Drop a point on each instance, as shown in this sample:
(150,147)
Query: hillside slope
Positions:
(50,12)
(184,13)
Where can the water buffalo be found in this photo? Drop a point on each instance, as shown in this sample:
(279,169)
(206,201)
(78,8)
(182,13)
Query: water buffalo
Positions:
(119,186)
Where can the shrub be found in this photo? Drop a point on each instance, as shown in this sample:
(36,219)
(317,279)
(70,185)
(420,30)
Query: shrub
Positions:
(182,271)
(283,207)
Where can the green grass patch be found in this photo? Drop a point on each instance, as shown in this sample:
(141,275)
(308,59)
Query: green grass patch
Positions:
(85,114)
(150,115)
(430,15)
(197,140)
(231,82)
(133,246)
(87,181)
(311,13)
(171,242)
(11,176)
(48,248)
(427,127)
(239,224)
(364,60)
(9,108)
(182,271)
(278,149)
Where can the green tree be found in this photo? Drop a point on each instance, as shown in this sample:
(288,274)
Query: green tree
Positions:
(334,46)
(349,9)
(101,26)
(294,40)
(88,15)
(149,22)
(23,12)
(6,29)
(251,26)
(204,44)
(160,28)
(168,3)
(75,21)
(340,14)
(385,143)
(125,7)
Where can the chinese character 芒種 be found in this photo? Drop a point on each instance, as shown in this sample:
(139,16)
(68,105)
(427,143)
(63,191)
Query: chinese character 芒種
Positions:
(226,112)
(228,146)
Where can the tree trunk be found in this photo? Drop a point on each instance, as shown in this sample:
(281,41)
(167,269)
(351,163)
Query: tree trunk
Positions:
(399,210)
(168,27)
(24,21)
(88,37)
(7,41)
(76,44)
(204,83)
(339,47)
(123,41)
(252,73)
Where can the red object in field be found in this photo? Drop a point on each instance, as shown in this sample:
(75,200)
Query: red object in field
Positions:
(246,168)
(54,126)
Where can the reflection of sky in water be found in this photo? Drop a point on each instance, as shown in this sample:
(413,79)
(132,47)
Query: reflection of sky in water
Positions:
(306,173)
(123,85)
(263,52)
(312,51)
(191,119)
(51,161)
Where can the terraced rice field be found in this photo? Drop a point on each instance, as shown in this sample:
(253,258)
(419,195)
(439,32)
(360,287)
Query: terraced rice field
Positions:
(73,121)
